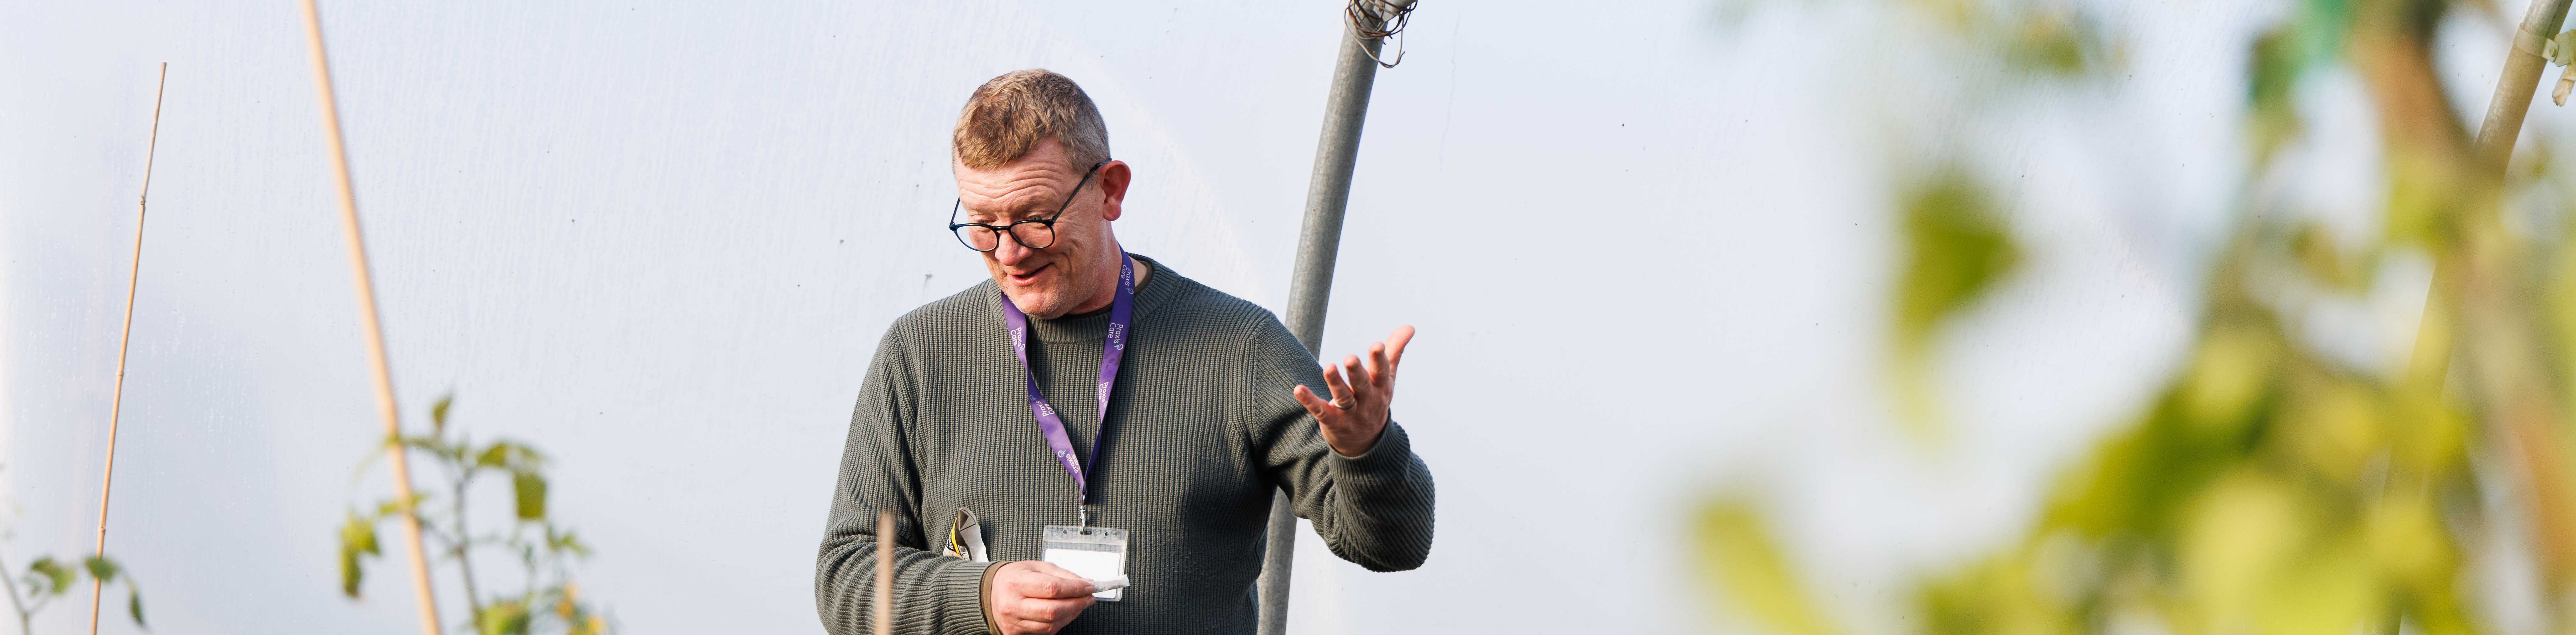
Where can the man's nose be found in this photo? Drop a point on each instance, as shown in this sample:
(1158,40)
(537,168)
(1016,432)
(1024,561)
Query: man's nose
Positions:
(1008,250)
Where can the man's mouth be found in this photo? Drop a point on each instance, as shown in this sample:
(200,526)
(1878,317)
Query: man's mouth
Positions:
(1029,276)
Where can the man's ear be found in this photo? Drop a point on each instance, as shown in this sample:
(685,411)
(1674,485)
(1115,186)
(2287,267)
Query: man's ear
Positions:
(1113,185)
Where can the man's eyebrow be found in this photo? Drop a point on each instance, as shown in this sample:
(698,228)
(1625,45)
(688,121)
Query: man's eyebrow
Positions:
(1029,208)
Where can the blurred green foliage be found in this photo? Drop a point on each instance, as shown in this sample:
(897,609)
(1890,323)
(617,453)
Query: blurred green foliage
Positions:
(548,601)
(2049,38)
(1739,549)
(2270,487)
(1956,248)
(48,579)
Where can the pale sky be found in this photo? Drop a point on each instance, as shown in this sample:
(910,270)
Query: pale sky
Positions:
(1647,250)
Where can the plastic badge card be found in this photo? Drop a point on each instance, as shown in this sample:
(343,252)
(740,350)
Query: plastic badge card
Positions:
(1097,553)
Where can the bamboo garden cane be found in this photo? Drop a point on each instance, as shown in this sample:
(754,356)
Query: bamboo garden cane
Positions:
(2523,66)
(125,337)
(2436,338)
(883,595)
(372,327)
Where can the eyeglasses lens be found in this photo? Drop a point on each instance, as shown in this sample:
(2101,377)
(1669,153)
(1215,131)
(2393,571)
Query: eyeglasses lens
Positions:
(1030,235)
(1034,235)
(978,237)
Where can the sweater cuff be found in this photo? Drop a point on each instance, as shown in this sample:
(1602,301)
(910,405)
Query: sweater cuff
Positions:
(962,585)
(984,598)
(1389,457)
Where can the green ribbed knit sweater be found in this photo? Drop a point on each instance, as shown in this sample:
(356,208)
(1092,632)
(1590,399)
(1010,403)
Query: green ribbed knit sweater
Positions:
(1201,429)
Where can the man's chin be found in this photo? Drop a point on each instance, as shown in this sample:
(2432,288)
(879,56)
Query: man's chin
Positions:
(1036,304)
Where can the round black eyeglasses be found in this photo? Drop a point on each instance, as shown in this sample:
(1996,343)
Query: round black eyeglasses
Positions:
(1034,233)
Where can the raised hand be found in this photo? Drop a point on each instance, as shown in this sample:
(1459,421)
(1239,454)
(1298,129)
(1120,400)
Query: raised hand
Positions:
(1036,598)
(1356,415)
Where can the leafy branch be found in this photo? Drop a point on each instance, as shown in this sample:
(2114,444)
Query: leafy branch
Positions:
(2273,485)
(48,579)
(548,600)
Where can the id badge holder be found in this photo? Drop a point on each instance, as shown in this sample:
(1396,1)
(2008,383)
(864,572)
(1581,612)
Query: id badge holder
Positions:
(1096,553)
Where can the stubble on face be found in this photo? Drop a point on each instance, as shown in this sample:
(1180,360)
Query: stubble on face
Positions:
(1063,277)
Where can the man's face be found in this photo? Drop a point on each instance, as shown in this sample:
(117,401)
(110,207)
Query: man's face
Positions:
(1079,272)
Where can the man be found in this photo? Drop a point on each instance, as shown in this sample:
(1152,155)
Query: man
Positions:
(1091,415)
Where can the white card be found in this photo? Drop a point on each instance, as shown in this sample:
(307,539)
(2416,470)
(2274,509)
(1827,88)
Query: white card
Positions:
(1096,553)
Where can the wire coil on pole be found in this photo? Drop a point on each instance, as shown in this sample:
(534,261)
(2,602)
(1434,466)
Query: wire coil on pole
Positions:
(1378,20)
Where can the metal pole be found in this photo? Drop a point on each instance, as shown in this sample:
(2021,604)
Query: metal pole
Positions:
(1328,193)
(395,454)
(116,404)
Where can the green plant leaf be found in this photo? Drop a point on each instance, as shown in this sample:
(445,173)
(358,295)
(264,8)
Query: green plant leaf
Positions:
(1999,595)
(1956,247)
(2237,367)
(357,539)
(360,534)
(434,445)
(134,606)
(2326,262)
(563,540)
(56,577)
(531,489)
(438,414)
(100,567)
(2054,39)
(506,617)
(351,573)
(496,455)
(1755,575)
(510,455)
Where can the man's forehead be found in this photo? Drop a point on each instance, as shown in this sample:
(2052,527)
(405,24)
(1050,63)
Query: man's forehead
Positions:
(1011,186)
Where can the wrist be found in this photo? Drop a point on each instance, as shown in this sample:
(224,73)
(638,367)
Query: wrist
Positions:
(984,599)
(1353,450)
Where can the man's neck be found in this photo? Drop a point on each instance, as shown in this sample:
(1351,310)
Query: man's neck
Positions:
(1143,272)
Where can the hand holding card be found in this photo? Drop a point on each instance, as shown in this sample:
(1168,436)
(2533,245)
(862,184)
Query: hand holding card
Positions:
(1036,598)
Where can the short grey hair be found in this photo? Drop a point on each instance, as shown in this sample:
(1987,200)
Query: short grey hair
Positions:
(1010,115)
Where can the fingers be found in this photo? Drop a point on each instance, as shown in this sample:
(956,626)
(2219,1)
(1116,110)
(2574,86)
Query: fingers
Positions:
(1057,587)
(1314,405)
(1038,597)
(1381,374)
(1042,621)
(1395,344)
(1353,382)
(1338,379)
(1051,611)
(1357,383)
(1062,588)
(1033,615)
(1048,581)
(1050,568)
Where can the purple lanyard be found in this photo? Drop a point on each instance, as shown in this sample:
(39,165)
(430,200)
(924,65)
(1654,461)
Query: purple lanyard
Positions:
(1115,348)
